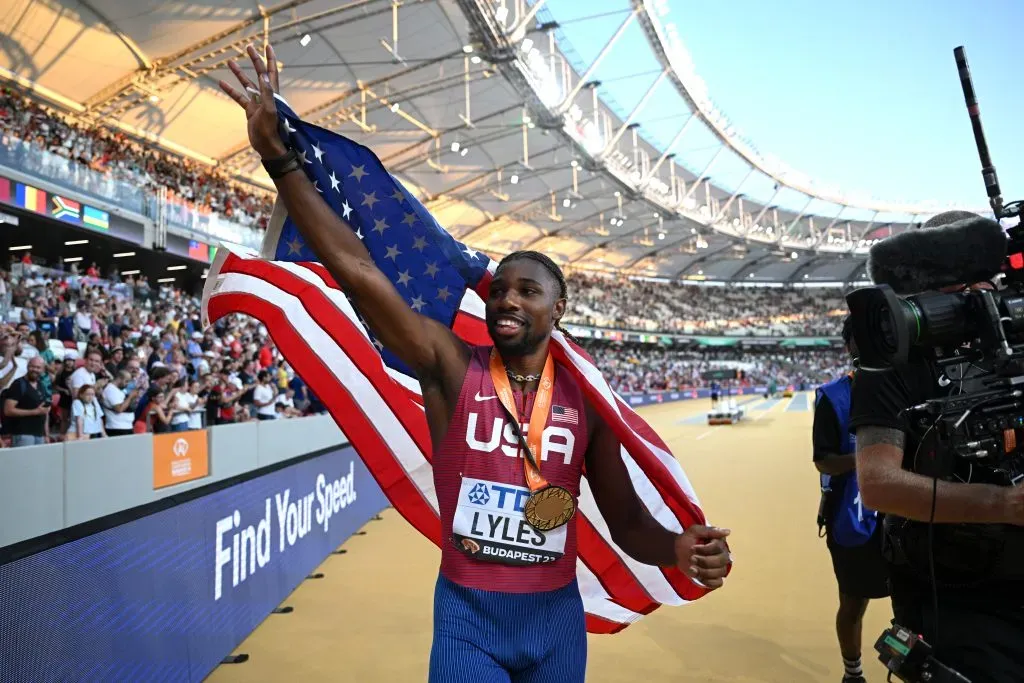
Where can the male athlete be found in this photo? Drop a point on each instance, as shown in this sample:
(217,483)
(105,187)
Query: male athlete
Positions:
(506,605)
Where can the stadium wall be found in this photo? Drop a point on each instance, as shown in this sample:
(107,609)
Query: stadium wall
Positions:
(165,590)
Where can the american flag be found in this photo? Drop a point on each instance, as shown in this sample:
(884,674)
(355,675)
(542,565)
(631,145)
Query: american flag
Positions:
(564,414)
(376,400)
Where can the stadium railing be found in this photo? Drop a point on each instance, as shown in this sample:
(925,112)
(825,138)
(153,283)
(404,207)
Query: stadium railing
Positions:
(73,176)
(20,158)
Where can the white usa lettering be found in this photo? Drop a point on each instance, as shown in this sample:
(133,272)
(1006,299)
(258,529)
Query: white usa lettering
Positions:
(553,440)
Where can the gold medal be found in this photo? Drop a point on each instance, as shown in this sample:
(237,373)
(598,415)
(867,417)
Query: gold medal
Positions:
(549,508)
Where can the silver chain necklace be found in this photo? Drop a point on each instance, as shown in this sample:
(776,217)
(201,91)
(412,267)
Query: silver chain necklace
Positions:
(521,378)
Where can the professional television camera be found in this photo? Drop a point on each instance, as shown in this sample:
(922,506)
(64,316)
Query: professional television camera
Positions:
(919,302)
(981,426)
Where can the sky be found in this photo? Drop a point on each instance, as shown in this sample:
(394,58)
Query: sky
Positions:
(864,96)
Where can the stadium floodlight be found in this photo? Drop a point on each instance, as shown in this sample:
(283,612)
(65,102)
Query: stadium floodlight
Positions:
(22,247)
(305,39)
(72,243)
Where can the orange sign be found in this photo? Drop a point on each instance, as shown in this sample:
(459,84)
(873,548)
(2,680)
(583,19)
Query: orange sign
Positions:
(179,457)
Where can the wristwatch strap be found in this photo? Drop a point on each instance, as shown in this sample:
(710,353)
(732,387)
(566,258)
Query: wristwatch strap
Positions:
(282,165)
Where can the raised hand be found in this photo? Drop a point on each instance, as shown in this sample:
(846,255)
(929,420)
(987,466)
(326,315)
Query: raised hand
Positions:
(258,102)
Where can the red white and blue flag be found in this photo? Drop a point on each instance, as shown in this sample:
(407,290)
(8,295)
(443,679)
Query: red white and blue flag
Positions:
(376,399)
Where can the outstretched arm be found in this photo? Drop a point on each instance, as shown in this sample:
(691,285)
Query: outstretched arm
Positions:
(699,552)
(887,487)
(428,347)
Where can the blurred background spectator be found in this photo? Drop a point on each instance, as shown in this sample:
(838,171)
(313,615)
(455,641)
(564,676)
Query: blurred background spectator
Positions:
(108,359)
(114,357)
(650,306)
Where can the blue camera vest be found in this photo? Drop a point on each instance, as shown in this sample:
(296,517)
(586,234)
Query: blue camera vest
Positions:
(850,523)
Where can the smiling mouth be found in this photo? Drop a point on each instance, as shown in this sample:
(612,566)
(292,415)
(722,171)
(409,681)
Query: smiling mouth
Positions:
(508,325)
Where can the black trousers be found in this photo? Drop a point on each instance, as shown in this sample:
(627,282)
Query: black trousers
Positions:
(980,633)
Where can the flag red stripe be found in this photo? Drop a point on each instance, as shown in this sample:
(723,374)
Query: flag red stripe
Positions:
(601,626)
(611,572)
(384,467)
(471,329)
(344,333)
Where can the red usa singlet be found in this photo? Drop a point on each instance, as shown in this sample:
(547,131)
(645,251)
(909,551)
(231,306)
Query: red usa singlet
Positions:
(481,487)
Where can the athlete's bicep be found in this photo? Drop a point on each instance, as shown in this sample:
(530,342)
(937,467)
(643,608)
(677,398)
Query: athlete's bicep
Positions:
(430,348)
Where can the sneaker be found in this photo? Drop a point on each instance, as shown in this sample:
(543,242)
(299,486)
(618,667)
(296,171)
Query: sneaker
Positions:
(854,679)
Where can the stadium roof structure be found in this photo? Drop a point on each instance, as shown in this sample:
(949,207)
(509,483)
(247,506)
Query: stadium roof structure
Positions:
(479,107)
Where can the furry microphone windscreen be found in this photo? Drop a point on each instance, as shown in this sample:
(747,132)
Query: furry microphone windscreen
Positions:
(967,248)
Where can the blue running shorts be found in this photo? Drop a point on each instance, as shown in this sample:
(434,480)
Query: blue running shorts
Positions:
(488,637)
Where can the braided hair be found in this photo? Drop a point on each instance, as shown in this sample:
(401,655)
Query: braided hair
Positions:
(552,268)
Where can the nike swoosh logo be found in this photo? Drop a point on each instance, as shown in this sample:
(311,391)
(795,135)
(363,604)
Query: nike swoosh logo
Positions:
(478,397)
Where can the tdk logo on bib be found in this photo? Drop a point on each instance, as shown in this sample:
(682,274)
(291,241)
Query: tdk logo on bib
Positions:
(489,525)
(479,494)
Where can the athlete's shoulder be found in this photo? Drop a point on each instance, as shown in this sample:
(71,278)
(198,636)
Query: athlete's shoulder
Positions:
(479,353)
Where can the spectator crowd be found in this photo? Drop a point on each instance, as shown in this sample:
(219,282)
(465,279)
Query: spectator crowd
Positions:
(642,368)
(85,357)
(94,154)
(691,309)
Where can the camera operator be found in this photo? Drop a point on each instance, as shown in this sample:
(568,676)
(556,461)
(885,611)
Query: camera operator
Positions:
(853,533)
(966,535)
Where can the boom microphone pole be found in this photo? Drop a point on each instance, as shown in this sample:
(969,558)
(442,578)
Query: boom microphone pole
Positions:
(988,169)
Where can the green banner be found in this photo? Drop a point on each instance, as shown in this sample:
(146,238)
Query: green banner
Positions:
(805,342)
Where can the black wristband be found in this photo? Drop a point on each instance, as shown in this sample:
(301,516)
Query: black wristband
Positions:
(282,165)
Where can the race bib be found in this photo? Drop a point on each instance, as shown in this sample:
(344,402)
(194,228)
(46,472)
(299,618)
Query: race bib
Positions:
(490,526)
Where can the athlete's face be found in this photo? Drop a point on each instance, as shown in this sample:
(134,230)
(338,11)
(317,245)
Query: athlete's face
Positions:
(523,305)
